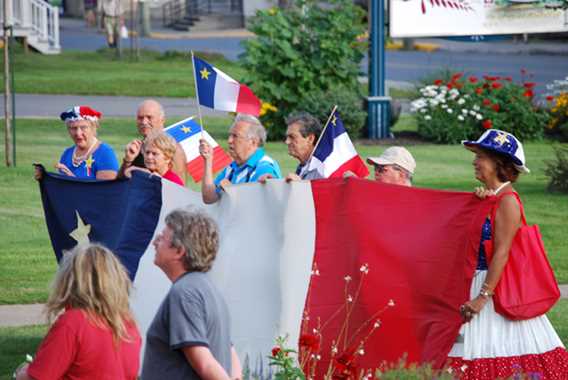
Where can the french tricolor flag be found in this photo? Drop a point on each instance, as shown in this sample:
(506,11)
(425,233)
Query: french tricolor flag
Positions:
(218,91)
(188,133)
(335,153)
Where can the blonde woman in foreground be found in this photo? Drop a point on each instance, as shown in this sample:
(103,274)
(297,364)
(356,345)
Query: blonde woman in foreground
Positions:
(95,336)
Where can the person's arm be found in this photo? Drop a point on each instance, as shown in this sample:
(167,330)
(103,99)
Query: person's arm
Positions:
(180,163)
(130,153)
(236,369)
(204,363)
(208,189)
(106,174)
(292,177)
(22,373)
(507,222)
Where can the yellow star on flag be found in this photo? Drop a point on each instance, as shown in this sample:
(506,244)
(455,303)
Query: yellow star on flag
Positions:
(334,120)
(204,73)
(501,138)
(89,162)
(81,233)
(186,129)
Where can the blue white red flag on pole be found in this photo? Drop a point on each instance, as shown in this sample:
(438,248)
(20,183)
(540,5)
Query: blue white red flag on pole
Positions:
(334,153)
(218,91)
(288,254)
(188,133)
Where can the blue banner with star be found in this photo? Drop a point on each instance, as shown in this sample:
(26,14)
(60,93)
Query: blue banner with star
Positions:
(121,214)
(205,77)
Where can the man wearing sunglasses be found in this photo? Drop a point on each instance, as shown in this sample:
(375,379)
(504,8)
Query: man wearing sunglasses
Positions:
(395,166)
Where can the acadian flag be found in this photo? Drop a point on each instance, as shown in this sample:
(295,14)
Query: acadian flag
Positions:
(320,249)
(188,133)
(335,153)
(218,91)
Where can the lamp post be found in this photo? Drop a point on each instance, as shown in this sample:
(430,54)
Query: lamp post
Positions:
(7,24)
(377,103)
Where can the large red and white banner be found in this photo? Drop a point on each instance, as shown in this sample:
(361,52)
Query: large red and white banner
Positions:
(333,263)
(429,18)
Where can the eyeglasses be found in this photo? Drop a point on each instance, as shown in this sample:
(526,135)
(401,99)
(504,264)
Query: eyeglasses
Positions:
(235,136)
(83,128)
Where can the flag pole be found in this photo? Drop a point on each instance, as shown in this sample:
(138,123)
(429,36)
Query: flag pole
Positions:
(197,95)
(323,131)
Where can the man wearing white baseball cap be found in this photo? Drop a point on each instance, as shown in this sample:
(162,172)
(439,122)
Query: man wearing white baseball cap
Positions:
(395,166)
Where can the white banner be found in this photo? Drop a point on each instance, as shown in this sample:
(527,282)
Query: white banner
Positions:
(430,18)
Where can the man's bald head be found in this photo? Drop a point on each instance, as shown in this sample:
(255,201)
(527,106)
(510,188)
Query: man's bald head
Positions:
(150,117)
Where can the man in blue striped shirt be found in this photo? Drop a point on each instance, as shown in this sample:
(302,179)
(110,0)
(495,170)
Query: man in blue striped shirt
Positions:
(250,163)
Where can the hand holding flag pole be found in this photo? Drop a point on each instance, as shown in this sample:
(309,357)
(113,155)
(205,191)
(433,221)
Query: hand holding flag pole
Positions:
(323,131)
(197,95)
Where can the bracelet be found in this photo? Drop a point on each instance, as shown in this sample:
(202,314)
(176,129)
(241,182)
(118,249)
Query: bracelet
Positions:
(485,293)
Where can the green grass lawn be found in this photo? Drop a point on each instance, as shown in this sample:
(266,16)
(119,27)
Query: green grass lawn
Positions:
(16,342)
(72,72)
(27,260)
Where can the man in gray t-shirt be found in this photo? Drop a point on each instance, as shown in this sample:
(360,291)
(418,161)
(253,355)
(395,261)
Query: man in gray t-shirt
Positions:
(190,335)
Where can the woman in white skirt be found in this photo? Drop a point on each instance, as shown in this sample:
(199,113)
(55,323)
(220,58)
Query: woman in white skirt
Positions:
(490,346)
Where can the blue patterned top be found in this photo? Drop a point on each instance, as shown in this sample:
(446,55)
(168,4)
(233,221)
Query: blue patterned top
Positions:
(485,235)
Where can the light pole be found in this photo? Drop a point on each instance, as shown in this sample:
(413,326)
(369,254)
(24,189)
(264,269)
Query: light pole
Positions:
(7,23)
(377,103)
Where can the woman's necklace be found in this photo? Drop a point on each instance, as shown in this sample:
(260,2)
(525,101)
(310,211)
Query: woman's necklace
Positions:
(78,160)
(497,190)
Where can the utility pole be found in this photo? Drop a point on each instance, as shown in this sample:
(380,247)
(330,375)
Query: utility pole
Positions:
(378,104)
(7,24)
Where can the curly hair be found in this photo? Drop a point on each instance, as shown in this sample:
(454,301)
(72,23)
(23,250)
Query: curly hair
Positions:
(92,279)
(197,234)
(163,142)
(504,166)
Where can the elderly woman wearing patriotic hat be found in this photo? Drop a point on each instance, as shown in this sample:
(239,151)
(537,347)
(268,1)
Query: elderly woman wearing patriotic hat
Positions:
(491,345)
(88,157)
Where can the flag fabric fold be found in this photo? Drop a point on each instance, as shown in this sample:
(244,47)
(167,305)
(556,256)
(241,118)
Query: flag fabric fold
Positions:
(188,133)
(308,238)
(218,91)
(335,153)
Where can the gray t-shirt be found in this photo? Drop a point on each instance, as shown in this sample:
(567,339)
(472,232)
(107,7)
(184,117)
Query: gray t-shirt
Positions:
(193,313)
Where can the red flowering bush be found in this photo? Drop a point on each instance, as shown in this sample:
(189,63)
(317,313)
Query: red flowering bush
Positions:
(461,107)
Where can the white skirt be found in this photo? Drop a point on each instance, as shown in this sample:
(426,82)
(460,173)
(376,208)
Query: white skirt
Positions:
(491,336)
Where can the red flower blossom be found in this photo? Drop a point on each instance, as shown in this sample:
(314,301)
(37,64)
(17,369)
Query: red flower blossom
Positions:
(549,98)
(496,107)
(438,82)
(490,78)
(344,366)
(472,79)
(487,124)
(528,94)
(275,351)
(508,79)
(485,85)
(450,86)
(456,76)
(309,341)
(496,85)
(486,102)
(479,90)
(529,85)
(458,85)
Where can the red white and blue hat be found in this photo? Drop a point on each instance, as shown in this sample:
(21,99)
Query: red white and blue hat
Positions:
(503,143)
(80,113)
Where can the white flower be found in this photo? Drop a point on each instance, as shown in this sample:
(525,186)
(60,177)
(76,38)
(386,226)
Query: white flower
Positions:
(347,278)
(427,117)
(423,110)
(465,111)
(377,324)
(391,303)
(444,106)
(364,268)
(315,272)
(461,101)
(476,107)
(334,350)
(472,112)
(450,110)
(434,102)
(461,118)
(349,298)
(478,116)
(315,331)
(463,367)
(361,352)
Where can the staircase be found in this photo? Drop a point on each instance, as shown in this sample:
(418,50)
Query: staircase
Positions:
(37,22)
(185,15)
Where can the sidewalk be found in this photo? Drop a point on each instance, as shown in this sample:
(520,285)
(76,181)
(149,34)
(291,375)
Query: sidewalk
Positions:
(25,315)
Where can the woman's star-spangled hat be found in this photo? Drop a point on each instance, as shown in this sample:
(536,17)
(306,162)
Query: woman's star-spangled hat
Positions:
(80,113)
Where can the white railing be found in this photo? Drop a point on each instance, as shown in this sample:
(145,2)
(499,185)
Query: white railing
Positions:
(36,16)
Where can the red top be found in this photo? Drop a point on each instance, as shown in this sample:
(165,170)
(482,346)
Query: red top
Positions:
(170,175)
(75,348)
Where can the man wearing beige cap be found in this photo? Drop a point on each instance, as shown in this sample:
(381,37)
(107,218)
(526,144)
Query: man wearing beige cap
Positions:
(395,166)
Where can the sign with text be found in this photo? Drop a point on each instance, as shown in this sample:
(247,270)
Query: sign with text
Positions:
(429,18)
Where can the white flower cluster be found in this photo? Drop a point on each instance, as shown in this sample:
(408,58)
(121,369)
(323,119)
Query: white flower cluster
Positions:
(451,101)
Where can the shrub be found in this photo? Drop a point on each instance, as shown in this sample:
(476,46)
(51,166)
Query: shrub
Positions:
(462,108)
(304,56)
(558,101)
(557,170)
